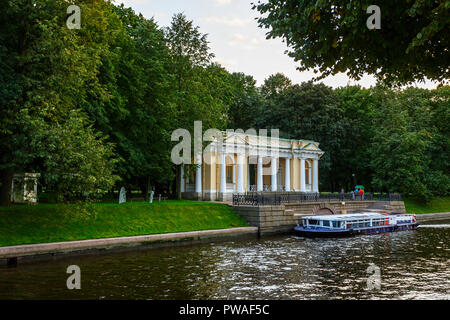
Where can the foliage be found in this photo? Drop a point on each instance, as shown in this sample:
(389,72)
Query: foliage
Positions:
(137,116)
(76,161)
(410,144)
(434,206)
(387,140)
(331,36)
(47,71)
(310,112)
(246,104)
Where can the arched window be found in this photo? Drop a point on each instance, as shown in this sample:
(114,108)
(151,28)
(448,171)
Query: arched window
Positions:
(307,172)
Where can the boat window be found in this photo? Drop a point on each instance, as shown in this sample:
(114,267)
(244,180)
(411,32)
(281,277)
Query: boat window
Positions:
(313,222)
(326,223)
(336,224)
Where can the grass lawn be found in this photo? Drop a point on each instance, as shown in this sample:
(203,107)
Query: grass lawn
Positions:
(60,222)
(437,205)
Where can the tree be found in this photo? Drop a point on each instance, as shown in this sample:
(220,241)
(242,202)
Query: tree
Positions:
(409,146)
(138,114)
(331,36)
(195,97)
(359,108)
(398,151)
(311,112)
(275,84)
(75,160)
(46,70)
(247,102)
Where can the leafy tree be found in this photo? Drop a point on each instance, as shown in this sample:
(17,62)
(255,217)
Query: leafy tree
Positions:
(45,72)
(409,147)
(331,36)
(275,84)
(137,116)
(195,97)
(359,108)
(75,160)
(398,151)
(311,112)
(247,102)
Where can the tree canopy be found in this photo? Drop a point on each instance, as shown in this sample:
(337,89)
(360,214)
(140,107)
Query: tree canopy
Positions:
(331,36)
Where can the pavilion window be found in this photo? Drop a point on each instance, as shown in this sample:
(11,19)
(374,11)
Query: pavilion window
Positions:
(229,174)
(307,169)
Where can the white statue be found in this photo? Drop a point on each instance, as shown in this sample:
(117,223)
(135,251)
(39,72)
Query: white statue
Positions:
(122,195)
(151,196)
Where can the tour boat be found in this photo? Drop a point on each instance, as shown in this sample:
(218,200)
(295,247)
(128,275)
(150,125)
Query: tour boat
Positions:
(354,223)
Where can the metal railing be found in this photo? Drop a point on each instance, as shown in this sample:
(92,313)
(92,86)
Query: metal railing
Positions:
(275,198)
(389,197)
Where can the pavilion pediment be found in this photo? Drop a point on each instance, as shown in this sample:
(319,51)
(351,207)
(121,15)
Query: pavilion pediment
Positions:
(311,147)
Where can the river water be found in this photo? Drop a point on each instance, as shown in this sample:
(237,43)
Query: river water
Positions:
(412,265)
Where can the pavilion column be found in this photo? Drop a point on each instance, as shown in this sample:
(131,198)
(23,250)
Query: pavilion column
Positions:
(273,167)
(287,175)
(259,173)
(182,178)
(223,174)
(315,175)
(240,177)
(198,174)
(247,188)
(302,175)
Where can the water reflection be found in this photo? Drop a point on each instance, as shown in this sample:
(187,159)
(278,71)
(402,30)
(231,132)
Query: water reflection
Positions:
(414,265)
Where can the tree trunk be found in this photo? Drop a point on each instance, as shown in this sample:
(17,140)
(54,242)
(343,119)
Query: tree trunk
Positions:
(6,177)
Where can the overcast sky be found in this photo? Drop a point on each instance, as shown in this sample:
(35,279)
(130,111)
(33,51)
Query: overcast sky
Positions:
(236,40)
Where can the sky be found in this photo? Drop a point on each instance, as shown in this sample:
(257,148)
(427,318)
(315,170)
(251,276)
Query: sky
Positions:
(236,40)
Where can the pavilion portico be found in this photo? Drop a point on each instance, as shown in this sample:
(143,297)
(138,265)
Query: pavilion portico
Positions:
(247,163)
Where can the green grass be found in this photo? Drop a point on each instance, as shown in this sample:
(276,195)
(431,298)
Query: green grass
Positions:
(436,205)
(62,222)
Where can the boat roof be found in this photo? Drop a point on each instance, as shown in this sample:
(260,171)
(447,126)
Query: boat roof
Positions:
(347,216)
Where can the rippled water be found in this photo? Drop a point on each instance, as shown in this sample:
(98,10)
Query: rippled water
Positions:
(413,265)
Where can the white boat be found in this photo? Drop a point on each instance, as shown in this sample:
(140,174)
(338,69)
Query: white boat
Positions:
(354,223)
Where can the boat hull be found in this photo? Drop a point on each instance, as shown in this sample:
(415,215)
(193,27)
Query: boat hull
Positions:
(313,233)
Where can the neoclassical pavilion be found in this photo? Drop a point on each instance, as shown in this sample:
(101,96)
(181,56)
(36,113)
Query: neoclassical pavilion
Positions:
(250,163)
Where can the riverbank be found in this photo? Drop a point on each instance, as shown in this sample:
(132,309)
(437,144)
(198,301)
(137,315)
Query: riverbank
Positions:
(46,251)
(434,206)
(47,223)
(433,216)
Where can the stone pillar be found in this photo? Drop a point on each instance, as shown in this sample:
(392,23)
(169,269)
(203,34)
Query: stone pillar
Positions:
(259,179)
(12,191)
(302,176)
(223,174)
(198,175)
(182,178)
(240,177)
(287,175)
(273,171)
(248,175)
(315,175)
